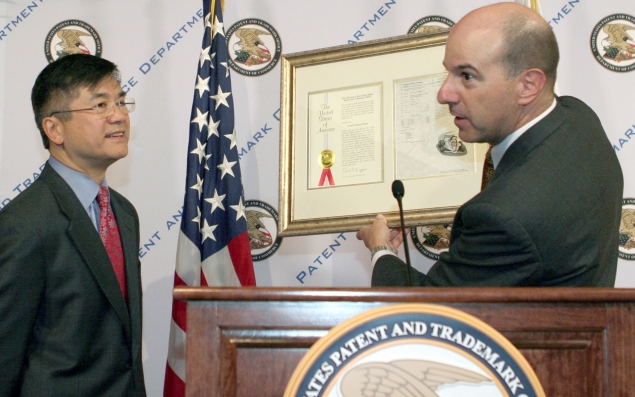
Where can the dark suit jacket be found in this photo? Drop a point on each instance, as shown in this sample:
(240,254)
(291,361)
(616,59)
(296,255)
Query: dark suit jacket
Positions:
(549,216)
(65,329)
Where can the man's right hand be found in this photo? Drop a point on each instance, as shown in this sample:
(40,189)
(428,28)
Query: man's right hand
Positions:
(380,234)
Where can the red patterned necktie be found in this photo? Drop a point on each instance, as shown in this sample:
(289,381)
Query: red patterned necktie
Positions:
(109,233)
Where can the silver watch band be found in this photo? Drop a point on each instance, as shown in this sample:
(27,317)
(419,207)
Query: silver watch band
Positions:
(381,248)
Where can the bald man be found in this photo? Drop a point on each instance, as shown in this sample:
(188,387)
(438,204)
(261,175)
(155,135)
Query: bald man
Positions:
(550,214)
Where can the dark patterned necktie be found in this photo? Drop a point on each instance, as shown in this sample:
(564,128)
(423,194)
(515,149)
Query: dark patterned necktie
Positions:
(488,168)
(109,233)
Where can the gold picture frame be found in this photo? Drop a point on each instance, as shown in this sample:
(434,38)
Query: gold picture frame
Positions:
(353,118)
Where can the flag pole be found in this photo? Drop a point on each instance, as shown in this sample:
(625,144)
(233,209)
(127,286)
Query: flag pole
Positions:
(211,19)
(534,5)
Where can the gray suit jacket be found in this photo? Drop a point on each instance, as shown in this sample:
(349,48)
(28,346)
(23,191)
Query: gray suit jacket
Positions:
(65,328)
(549,216)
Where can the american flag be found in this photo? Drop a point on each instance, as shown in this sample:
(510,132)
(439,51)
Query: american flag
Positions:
(213,247)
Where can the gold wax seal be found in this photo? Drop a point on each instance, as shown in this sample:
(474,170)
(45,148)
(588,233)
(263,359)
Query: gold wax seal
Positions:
(326,159)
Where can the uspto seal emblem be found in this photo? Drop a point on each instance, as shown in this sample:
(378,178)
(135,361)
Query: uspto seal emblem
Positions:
(431,240)
(71,37)
(627,230)
(413,350)
(254,47)
(431,24)
(612,42)
(262,227)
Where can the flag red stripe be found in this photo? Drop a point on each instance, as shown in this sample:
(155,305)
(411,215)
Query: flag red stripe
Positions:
(173,385)
(240,253)
(203,279)
(179,308)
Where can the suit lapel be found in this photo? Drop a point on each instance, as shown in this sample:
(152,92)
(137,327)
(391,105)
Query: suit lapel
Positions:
(85,237)
(530,140)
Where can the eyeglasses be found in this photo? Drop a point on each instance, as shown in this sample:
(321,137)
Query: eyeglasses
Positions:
(104,109)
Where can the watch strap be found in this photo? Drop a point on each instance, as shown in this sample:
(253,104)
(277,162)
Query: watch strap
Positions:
(381,248)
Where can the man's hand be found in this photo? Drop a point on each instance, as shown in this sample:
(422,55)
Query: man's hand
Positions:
(380,234)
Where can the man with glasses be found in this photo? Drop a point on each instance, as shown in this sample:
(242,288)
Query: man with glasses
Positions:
(70,285)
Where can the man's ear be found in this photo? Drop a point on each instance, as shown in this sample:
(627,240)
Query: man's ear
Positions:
(533,81)
(53,129)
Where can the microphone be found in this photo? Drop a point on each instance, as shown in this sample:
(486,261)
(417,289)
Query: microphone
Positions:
(398,191)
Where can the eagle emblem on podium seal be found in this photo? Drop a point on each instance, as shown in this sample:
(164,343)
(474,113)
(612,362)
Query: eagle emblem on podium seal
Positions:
(419,350)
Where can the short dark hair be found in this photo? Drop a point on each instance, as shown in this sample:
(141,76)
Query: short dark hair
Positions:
(529,44)
(59,83)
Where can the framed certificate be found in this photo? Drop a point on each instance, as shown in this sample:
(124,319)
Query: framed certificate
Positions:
(353,119)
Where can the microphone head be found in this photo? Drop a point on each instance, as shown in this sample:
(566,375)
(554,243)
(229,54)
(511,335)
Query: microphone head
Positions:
(397,189)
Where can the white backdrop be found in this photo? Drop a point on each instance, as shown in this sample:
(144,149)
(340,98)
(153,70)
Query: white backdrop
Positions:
(156,45)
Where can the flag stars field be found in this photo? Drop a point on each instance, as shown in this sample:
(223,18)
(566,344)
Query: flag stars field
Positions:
(207,156)
(199,186)
(226,68)
(212,127)
(216,201)
(218,28)
(232,139)
(200,150)
(207,231)
(240,209)
(197,219)
(226,167)
(220,97)
(200,119)
(205,56)
(202,85)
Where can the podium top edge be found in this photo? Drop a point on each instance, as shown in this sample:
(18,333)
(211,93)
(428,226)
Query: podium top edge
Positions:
(412,295)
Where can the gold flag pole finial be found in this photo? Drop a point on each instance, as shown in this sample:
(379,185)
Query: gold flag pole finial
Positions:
(211,19)
(212,13)
(534,5)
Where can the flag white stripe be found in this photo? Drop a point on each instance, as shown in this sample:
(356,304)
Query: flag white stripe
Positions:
(188,259)
(219,270)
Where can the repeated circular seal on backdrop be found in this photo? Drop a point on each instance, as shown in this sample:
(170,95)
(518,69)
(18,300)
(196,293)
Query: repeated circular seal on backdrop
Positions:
(413,349)
(627,230)
(262,228)
(613,42)
(431,24)
(71,37)
(254,47)
(431,240)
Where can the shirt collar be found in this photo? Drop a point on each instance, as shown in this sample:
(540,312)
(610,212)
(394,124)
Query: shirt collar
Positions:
(499,150)
(84,187)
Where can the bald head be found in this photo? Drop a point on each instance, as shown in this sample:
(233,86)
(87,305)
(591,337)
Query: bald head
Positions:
(524,39)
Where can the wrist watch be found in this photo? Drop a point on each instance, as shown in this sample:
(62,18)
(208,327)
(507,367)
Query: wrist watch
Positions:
(382,248)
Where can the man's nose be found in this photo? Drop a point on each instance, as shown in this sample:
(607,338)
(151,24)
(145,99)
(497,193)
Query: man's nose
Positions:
(117,114)
(446,93)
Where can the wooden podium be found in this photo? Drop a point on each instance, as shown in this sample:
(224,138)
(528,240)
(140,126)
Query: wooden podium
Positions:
(247,341)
